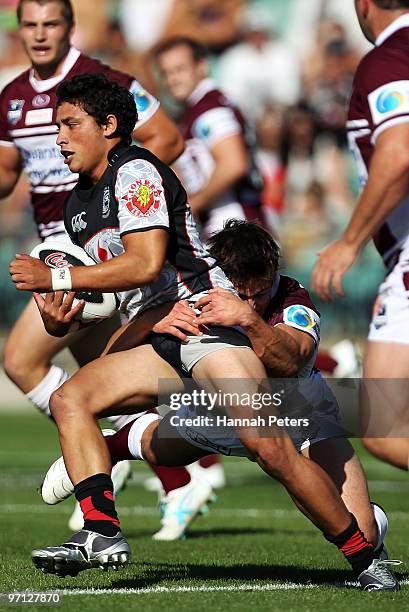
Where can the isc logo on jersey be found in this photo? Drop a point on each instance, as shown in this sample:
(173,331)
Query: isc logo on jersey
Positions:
(143,199)
(302,318)
(389,100)
(56,254)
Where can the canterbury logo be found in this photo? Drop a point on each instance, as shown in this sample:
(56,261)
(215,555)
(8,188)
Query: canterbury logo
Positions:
(78,222)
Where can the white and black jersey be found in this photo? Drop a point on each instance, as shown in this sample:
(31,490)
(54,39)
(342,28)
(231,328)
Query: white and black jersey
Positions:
(137,193)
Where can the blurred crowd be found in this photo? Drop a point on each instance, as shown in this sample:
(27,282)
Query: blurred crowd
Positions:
(288,64)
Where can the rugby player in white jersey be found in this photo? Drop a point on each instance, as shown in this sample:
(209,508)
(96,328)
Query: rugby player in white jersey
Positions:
(378,132)
(154,256)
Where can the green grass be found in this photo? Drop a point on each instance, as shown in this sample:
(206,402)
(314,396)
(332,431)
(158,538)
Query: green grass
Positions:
(252,536)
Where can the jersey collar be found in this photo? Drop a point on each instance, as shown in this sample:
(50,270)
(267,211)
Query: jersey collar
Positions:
(398,24)
(201,90)
(44,85)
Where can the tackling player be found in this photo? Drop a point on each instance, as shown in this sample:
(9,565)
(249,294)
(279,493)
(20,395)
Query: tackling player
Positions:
(378,132)
(153,256)
(217,167)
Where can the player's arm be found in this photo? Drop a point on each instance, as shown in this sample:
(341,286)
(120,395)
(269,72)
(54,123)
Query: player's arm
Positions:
(282,349)
(387,186)
(10,169)
(139,265)
(231,163)
(161,136)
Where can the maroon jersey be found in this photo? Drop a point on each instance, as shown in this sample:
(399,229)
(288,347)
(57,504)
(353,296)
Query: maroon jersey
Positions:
(291,305)
(380,99)
(27,121)
(210,117)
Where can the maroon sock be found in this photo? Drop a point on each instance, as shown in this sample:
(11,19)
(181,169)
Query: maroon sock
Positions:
(325,362)
(209,460)
(171,477)
(118,444)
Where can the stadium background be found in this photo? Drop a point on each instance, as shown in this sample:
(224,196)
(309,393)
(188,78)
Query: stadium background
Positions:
(311,187)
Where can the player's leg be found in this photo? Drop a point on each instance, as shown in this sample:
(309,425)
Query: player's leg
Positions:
(339,460)
(27,358)
(385,402)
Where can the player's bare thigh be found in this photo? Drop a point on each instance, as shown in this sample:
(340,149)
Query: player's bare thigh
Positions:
(120,382)
(29,349)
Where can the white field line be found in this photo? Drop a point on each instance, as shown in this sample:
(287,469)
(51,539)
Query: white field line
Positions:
(278,513)
(230,588)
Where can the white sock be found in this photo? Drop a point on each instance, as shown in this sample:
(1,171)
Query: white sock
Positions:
(120,420)
(40,395)
(136,432)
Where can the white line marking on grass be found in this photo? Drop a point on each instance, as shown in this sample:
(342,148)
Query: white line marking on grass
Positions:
(277,586)
(279,513)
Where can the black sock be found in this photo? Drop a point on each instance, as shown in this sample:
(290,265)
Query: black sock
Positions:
(95,496)
(354,546)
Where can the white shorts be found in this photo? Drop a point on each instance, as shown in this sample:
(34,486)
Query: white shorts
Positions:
(390,322)
(325,424)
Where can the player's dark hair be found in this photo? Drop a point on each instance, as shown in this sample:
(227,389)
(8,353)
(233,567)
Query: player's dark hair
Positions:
(99,97)
(198,50)
(66,8)
(245,252)
(392,5)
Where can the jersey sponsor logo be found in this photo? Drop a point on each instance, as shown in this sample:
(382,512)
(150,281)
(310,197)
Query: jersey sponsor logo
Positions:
(15,111)
(41,101)
(389,100)
(106,200)
(56,260)
(300,316)
(143,199)
(141,100)
(39,116)
(78,223)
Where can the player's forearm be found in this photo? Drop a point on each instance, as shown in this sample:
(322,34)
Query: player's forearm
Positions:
(119,274)
(387,186)
(276,349)
(221,180)
(168,146)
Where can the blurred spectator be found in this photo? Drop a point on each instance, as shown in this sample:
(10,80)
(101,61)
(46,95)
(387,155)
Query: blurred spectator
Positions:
(214,22)
(328,73)
(261,69)
(269,158)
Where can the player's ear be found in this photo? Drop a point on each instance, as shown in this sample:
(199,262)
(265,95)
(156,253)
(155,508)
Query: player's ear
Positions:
(110,127)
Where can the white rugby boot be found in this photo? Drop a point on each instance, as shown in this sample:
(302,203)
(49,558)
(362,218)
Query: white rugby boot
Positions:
(180,507)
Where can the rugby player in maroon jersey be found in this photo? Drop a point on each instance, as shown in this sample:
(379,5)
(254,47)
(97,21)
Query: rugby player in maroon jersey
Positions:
(378,133)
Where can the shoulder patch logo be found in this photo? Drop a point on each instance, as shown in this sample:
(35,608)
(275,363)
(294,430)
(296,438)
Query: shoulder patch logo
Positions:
(143,199)
(141,100)
(390,100)
(300,316)
(15,111)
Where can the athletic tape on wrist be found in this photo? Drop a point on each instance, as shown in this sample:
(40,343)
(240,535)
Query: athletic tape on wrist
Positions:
(61,279)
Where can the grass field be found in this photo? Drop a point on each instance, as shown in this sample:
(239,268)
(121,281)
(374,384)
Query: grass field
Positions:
(253,551)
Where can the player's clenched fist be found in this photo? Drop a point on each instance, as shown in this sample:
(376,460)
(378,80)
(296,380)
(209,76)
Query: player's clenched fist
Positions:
(30,274)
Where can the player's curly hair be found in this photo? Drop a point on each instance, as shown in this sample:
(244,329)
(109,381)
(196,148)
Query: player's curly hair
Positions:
(392,5)
(99,97)
(245,252)
(66,8)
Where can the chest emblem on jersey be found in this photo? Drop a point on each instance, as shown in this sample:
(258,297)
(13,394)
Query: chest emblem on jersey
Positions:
(78,222)
(142,198)
(15,111)
(106,200)
(41,101)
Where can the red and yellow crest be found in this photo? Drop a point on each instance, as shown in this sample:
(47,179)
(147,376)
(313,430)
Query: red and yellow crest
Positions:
(142,198)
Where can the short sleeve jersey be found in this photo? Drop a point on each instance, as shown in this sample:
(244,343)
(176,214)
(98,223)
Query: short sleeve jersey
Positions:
(139,193)
(210,117)
(27,121)
(291,305)
(380,100)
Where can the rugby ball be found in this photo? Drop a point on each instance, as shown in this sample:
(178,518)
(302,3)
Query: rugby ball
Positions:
(59,254)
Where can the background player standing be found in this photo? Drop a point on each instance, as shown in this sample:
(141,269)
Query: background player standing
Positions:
(378,132)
